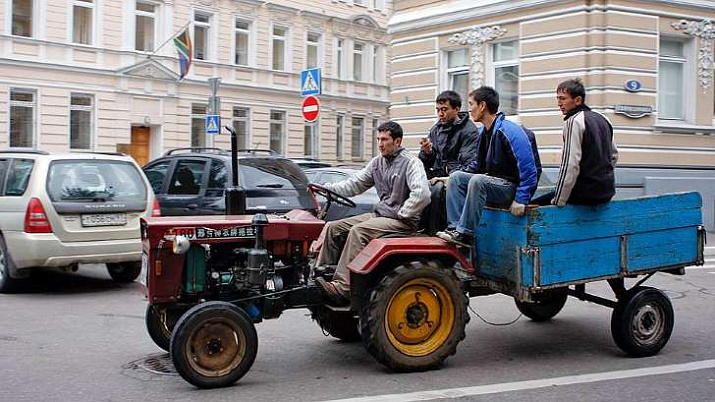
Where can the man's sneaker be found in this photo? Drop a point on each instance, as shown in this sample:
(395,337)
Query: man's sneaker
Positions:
(453,236)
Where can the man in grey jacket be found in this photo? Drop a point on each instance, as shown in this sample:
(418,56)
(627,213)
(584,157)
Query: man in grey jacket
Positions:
(402,186)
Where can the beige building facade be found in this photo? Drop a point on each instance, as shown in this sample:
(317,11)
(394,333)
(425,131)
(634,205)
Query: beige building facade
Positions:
(646,64)
(92,75)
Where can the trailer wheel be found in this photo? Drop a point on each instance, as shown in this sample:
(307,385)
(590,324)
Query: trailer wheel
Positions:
(642,322)
(214,344)
(343,325)
(544,309)
(415,317)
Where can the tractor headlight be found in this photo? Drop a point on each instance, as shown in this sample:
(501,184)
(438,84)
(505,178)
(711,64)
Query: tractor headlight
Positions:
(180,245)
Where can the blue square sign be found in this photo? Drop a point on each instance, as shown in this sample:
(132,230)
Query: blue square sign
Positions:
(213,124)
(310,82)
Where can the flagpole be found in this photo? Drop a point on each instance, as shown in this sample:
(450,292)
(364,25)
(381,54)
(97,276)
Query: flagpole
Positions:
(171,38)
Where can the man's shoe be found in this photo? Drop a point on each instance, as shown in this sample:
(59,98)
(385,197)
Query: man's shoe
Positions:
(331,293)
(455,237)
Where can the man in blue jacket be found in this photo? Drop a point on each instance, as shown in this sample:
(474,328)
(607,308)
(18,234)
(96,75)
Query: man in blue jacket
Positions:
(504,172)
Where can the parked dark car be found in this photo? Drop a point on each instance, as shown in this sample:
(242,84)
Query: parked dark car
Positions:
(365,202)
(192,181)
(308,163)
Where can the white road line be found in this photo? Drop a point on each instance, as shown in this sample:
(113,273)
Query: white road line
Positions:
(706,266)
(533,384)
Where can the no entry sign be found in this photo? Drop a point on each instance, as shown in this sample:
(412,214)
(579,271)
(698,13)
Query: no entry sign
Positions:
(311,109)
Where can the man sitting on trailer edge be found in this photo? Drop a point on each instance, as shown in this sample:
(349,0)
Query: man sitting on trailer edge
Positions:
(589,154)
(401,184)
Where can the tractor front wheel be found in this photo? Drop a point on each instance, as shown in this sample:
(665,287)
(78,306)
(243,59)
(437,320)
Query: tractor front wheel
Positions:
(214,344)
(415,317)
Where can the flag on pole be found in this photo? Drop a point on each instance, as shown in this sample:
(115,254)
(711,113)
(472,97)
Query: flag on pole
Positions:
(183,47)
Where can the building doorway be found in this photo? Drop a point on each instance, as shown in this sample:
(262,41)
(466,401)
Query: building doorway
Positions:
(140,145)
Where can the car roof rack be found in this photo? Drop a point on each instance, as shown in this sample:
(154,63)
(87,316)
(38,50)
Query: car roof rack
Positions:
(27,151)
(256,151)
(198,150)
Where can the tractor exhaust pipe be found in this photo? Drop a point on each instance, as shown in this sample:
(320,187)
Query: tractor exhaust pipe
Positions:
(235,197)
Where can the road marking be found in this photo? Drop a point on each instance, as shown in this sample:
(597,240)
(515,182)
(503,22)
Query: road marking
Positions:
(708,266)
(534,384)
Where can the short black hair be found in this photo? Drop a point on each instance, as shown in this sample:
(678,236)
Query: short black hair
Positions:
(488,95)
(455,101)
(393,128)
(574,88)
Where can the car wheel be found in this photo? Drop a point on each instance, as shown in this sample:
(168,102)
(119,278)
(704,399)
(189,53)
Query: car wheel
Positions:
(124,272)
(7,282)
(214,344)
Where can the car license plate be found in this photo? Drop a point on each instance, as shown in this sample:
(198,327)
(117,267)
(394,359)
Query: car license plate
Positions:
(144,275)
(104,219)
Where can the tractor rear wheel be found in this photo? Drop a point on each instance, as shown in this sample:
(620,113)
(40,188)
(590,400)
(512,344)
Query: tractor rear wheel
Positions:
(214,344)
(415,317)
(343,325)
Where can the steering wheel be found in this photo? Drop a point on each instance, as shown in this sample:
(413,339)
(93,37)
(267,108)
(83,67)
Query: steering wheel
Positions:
(329,196)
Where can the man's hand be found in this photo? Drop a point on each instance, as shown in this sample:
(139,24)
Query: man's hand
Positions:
(436,180)
(426,145)
(517,209)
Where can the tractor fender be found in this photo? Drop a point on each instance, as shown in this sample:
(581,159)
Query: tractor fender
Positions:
(380,249)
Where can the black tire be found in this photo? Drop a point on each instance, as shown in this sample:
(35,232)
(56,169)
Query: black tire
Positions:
(124,272)
(228,344)
(160,322)
(343,325)
(545,308)
(8,284)
(415,293)
(642,322)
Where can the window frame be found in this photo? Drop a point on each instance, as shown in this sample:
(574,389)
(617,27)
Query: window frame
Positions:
(339,70)
(361,155)
(34,105)
(375,125)
(283,122)
(688,87)
(247,120)
(91,111)
(493,65)
(451,72)
(286,43)
(361,53)
(318,51)
(208,54)
(194,116)
(155,16)
(315,139)
(340,137)
(33,17)
(249,40)
(90,4)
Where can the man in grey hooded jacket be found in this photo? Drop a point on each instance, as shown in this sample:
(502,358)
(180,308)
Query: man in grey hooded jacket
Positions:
(402,186)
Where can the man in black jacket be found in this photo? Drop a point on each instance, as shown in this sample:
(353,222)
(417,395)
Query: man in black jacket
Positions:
(449,147)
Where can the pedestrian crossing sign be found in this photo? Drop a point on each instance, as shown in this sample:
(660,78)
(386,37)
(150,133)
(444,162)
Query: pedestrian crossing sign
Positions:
(310,82)
(213,124)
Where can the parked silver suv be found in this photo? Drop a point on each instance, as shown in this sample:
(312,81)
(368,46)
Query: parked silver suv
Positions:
(62,210)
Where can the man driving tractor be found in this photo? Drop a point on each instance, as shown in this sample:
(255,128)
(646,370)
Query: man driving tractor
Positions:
(401,184)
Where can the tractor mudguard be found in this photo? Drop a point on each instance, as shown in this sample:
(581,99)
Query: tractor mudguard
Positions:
(380,249)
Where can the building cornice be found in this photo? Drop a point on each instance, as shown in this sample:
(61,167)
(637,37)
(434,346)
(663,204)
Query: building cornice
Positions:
(475,9)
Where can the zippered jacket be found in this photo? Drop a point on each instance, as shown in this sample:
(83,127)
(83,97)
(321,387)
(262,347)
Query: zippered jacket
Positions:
(507,153)
(587,160)
(453,146)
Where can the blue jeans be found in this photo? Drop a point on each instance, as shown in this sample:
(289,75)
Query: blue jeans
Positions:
(468,193)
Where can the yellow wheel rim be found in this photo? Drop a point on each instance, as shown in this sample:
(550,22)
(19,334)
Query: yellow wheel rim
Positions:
(216,348)
(420,317)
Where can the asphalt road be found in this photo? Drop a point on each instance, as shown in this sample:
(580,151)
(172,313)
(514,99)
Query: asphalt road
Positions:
(79,337)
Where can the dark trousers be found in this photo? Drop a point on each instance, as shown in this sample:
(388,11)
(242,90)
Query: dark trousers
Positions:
(434,217)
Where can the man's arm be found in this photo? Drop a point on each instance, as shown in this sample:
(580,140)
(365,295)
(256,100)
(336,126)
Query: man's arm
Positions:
(467,157)
(357,184)
(570,158)
(419,191)
(521,148)
(428,158)
(473,165)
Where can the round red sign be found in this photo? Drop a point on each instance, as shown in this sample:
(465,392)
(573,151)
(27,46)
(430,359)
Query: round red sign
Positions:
(311,109)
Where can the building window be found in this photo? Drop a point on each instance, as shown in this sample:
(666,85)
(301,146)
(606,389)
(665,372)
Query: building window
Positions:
(505,57)
(357,61)
(339,137)
(202,33)
(277,130)
(312,50)
(376,64)
(22,17)
(310,140)
(358,138)
(339,58)
(378,5)
(240,124)
(145,21)
(373,140)
(198,125)
(82,11)
(243,33)
(279,48)
(671,84)
(458,72)
(22,118)
(81,108)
